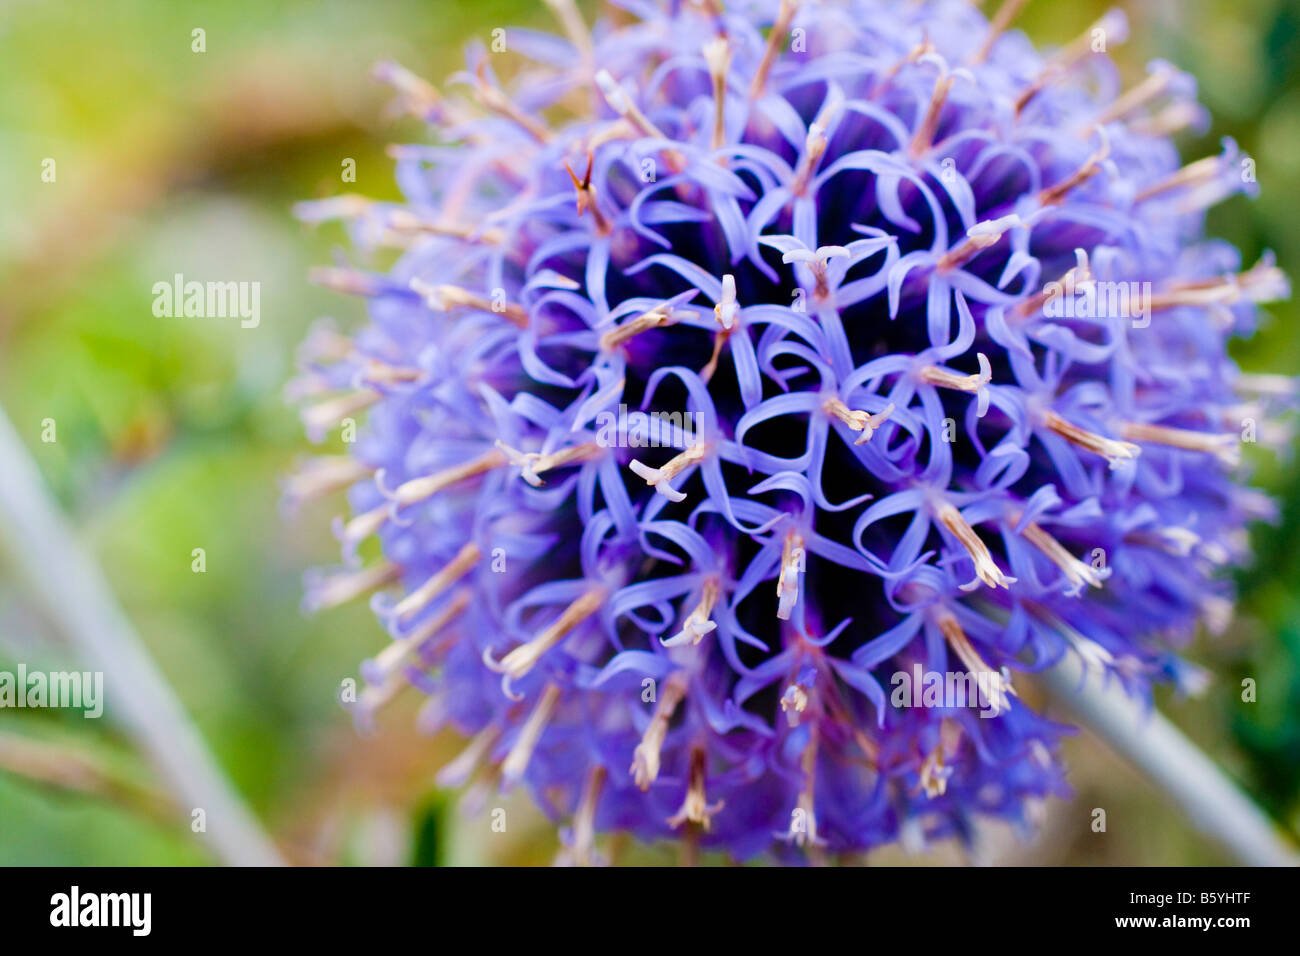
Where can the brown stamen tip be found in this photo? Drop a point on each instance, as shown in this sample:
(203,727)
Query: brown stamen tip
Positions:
(695,806)
(784,15)
(587,196)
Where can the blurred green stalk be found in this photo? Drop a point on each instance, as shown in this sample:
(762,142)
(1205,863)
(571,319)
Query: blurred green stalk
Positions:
(68,585)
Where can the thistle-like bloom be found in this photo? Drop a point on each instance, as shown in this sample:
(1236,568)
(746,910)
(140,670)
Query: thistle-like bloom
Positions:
(737,364)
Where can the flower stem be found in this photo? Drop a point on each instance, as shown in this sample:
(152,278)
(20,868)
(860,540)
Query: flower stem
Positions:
(69,587)
(1212,802)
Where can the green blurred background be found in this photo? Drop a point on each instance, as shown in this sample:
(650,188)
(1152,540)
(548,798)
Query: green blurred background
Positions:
(173,433)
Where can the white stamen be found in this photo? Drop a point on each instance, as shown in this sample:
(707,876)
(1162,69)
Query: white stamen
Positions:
(395,654)
(645,759)
(794,702)
(787,582)
(364,525)
(319,419)
(1079,573)
(459,770)
(1264,282)
(343,587)
(980,236)
(998,683)
(532,464)
(444,298)
(584,819)
(520,661)
(657,318)
(942,378)
(516,762)
(986,569)
(1225,447)
(1109,448)
(614,94)
(803,822)
(818,260)
(857,419)
(321,476)
(659,478)
(418,599)
(717,54)
(418,489)
(727,308)
(697,623)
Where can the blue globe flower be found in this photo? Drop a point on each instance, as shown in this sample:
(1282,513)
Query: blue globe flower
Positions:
(743,374)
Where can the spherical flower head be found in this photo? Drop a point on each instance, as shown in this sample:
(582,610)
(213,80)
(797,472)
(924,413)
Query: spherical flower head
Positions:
(757,394)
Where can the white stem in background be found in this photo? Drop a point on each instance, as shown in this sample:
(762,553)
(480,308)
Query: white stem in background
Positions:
(1212,802)
(67,584)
